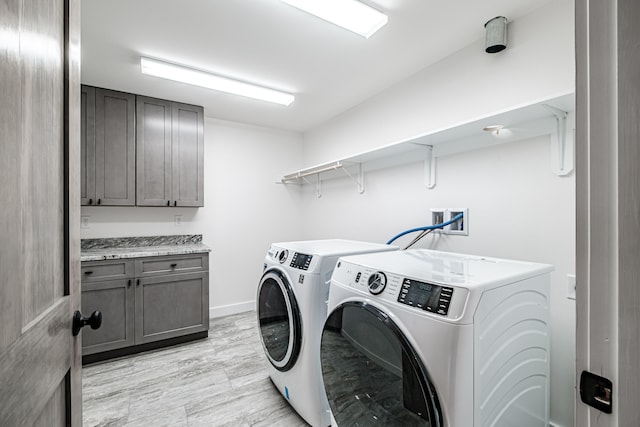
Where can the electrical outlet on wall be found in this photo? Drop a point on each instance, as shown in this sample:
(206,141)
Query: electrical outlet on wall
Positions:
(178,220)
(460,227)
(84,222)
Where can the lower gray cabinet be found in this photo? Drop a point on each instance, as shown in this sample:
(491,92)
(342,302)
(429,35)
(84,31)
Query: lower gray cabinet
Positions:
(171,306)
(114,299)
(145,301)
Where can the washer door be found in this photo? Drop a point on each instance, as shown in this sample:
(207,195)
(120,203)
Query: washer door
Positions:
(279,320)
(371,373)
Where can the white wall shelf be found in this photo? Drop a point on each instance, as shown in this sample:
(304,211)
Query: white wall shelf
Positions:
(552,116)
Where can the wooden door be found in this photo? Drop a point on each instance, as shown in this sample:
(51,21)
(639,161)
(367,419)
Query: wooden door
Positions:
(187,155)
(40,366)
(153,152)
(115,148)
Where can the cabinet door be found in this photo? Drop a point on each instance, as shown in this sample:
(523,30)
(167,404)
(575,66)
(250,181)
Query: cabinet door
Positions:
(115,148)
(172,305)
(87,146)
(115,300)
(187,155)
(153,150)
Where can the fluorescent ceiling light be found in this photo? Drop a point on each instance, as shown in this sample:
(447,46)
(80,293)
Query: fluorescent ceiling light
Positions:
(349,14)
(191,76)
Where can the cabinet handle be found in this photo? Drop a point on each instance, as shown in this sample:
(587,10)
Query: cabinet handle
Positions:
(175,203)
(129,283)
(174,265)
(88,273)
(168,202)
(90,201)
(137,282)
(98,201)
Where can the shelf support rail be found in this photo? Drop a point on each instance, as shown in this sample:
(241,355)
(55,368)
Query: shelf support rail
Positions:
(560,138)
(430,168)
(314,171)
(302,175)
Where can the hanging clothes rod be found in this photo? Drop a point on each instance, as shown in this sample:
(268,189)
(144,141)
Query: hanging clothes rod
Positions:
(313,171)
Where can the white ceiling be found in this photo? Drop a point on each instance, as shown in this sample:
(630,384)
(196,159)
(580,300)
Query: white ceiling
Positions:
(267,42)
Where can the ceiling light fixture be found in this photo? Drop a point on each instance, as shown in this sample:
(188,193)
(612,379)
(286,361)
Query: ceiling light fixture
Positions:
(349,14)
(195,77)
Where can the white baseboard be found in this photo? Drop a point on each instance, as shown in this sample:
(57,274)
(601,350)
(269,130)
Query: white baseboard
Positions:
(226,310)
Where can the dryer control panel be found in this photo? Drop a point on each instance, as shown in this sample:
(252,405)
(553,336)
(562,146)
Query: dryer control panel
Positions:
(427,296)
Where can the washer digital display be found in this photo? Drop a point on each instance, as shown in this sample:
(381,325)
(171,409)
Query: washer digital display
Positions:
(426,296)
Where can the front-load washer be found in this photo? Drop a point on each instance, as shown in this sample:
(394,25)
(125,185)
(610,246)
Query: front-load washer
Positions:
(291,308)
(428,338)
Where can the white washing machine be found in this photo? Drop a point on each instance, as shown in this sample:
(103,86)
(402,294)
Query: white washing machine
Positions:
(428,338)
(292,307)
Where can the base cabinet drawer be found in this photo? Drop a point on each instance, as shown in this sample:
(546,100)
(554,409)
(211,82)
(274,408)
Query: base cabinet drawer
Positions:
(107,270)
(159,303)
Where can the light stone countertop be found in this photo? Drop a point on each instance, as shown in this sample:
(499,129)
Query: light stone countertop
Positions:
(138,247)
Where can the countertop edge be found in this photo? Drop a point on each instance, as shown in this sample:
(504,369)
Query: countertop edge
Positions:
(141,252)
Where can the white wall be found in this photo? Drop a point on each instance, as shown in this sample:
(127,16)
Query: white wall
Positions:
(244,210)
(517,207)
(538,64)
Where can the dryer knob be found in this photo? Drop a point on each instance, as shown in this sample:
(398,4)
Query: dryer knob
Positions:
(283,256)
(377,282)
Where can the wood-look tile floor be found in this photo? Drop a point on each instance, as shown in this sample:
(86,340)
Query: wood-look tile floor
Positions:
(219,381)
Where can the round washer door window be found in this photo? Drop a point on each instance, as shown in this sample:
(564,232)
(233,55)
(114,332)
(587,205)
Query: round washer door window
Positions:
(279,320)
(371,373)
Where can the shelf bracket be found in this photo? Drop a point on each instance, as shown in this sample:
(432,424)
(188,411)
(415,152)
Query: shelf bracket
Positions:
(359,179)
(430,168)
(562,153)
(318,186)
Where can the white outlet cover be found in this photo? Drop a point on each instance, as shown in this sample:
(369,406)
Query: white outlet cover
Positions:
(450,214)
(444,217)
(178,220)
(84,222)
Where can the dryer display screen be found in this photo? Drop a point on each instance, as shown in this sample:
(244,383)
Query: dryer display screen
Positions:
(301,261)
(426,296)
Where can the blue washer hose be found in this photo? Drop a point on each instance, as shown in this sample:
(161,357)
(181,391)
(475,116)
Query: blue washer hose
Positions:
(427,227)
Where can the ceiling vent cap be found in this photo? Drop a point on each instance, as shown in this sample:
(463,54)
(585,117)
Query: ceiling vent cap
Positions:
(496,34)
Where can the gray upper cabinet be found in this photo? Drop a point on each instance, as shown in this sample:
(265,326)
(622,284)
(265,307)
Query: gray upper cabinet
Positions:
(188,155)
(88,146)
(115,148)
(108,147)
(170,153)
(140,151)
(153,148)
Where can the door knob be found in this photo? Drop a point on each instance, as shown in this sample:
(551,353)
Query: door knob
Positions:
(79,321)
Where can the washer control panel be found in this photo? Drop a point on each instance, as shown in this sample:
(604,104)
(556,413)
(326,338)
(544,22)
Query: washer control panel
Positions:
(427,296)
(301,261)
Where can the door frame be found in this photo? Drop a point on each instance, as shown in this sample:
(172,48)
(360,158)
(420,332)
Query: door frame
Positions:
(608,205)
(72,119)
